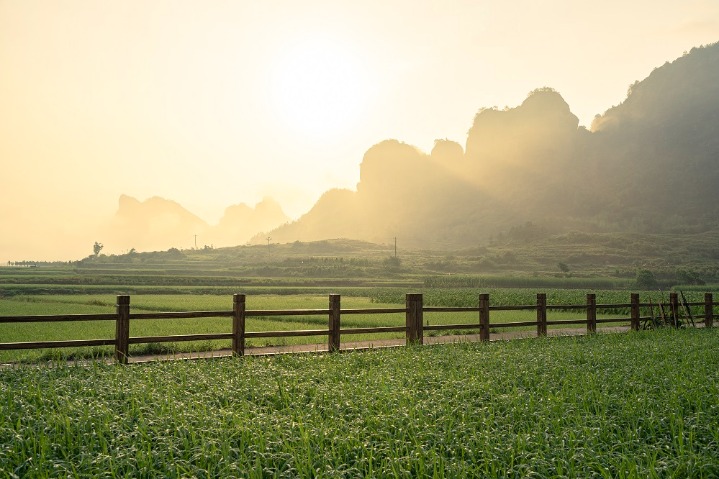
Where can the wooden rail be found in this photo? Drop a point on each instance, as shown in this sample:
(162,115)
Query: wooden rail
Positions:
(413,327)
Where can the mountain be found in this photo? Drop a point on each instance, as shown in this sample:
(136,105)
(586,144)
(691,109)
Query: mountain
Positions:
(160,224)
(241,222)
(153,224)
(650,164)
(664,138)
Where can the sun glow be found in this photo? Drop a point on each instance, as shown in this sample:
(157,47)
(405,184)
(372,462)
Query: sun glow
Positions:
(320,87)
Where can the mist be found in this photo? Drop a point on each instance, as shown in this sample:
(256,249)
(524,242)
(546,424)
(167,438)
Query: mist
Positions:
(226,103)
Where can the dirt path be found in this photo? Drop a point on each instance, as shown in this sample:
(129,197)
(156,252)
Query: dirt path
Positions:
(363,345)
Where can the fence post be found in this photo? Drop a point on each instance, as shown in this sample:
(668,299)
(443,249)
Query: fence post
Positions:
(674,305)
(591,313)
(541,314)
(415,334)
(122,329)
(708,310)
(634,311)
(238,325)
(484,317)
(333,342)
(419,320)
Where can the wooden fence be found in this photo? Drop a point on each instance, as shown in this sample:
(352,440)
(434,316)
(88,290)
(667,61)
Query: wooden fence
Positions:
(414,327)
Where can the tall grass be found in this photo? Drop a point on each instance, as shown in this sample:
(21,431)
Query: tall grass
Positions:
(632,406)
(496,281)
(469,297)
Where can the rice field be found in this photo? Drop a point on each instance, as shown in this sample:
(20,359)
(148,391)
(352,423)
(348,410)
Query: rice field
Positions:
(603,406)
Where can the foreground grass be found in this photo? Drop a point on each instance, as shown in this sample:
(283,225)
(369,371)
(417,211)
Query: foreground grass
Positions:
(622,405)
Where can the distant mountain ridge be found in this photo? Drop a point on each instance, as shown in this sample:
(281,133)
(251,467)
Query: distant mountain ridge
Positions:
(650,164)
(159,224)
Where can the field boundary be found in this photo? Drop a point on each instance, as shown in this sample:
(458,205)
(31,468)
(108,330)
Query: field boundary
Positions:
(414,326)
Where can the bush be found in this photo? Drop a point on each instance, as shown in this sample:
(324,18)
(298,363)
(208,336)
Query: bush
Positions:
(645,280)
(392,263)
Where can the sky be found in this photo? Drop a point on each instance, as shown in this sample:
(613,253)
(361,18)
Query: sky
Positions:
(214,103)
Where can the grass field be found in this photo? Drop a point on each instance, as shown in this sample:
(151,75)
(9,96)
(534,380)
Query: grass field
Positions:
(607,406)
(77,304)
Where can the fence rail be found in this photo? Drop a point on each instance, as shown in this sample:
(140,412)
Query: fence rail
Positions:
(413,328)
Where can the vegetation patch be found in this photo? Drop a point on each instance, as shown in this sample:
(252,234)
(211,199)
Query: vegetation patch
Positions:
(628,405)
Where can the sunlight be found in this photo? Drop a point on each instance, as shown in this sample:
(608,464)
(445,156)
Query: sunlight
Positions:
(319,87)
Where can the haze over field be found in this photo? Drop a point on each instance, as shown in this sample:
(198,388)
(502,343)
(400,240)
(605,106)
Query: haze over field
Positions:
(219,106)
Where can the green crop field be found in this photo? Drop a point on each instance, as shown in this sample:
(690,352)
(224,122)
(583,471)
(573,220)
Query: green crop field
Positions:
(608,406)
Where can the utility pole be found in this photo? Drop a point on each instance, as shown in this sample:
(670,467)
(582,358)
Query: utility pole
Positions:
(268,246)
(195,241)
(395,246)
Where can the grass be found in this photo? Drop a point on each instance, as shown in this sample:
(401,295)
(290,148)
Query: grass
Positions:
(621,406)
(77,304)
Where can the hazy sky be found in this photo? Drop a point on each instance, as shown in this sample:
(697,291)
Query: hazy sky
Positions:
(213,103)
